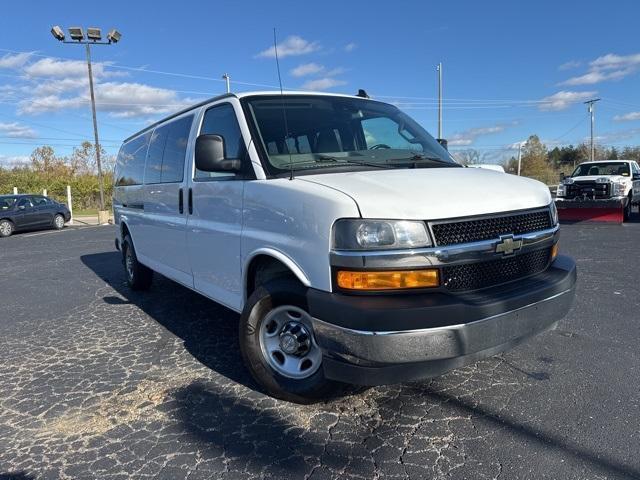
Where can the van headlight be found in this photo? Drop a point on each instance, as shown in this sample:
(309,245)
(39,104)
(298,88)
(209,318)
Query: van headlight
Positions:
(358,234)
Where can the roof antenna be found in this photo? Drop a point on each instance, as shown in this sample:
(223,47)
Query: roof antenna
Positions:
(284,110)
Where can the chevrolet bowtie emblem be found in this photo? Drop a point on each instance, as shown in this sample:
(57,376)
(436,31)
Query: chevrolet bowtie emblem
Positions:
(508,245)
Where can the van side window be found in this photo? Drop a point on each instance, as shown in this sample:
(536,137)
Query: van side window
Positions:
(221,120)
(153,168)
(131,160)
(175,150)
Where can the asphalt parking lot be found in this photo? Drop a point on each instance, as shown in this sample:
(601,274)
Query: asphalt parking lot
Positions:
(97,381)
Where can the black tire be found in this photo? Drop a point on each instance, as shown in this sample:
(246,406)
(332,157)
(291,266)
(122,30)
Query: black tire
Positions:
(58,222)
(6,228)
(626,213)
(284,291)
(138,276)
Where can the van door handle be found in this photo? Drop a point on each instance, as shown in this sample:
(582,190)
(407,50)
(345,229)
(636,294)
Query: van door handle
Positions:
(190,201)
(180,202)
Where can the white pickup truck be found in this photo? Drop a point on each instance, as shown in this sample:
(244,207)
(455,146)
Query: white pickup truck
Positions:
(601,184)
(351,244)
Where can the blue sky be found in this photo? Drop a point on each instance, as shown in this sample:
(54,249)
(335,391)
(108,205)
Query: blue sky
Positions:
(511,69)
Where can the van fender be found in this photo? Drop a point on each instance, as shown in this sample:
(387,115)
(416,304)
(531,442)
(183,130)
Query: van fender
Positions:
(281,257)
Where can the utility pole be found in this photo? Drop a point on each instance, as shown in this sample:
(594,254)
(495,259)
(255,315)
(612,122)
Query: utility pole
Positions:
(227,78)
(439,69)
(519,156)
(590,104)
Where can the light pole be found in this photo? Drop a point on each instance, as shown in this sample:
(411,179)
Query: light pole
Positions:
(439,69)
(590,103)
(94,37)
(227,78)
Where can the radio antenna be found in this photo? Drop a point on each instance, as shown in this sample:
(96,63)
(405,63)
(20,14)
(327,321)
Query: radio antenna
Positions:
(284,110)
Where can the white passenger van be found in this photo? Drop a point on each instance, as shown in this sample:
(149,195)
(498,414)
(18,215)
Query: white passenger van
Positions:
(353,246)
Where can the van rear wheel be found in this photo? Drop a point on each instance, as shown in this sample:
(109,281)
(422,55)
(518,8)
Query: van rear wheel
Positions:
(278,344)
(139,277)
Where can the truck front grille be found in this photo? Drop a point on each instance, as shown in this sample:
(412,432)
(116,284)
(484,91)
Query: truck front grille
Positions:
(474,276)
(490,228)
(588,189)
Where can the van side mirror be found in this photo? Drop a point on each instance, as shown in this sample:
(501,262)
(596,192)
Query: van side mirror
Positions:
(562,176)
(210,155)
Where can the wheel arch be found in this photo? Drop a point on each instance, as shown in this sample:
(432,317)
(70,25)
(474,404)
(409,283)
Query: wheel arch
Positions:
(275,263)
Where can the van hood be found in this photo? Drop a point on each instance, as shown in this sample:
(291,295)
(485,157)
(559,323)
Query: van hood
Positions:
(435,193)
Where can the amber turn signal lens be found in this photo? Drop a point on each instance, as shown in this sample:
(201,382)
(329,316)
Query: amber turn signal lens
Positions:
(388,280)
(554,251)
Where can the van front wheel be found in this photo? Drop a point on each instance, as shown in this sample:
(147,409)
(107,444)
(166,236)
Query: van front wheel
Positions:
(278,344)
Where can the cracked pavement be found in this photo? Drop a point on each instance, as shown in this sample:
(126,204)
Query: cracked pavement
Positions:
(97,381)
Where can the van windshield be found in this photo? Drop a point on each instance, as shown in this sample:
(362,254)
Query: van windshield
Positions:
(326,132)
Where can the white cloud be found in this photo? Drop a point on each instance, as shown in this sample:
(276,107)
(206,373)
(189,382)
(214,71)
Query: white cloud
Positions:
(613,61)
(564,99)
(469,136)
(618,135)
(14,61)
(136,99)
(17,130)
(627,117)
(307,69)
(52,67)
(350,47)
(60,86)
(13,160)
(323,83)
(119,99)
(606,67)
(291,46)
(570,65)
(49,103)
(596,76)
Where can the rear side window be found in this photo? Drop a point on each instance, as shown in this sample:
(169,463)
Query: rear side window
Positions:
(153,168)
(175,150)
(221,120)
(131,161)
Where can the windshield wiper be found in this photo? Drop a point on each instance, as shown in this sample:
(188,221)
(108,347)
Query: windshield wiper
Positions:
(342,162)
(418,157)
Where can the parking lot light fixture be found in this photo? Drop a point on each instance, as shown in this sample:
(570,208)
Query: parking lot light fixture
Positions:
(76,33)
(57,33)
(94,37)
(114,36)
(94,34)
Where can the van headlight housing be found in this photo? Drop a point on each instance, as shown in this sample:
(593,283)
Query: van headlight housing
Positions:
(359,234)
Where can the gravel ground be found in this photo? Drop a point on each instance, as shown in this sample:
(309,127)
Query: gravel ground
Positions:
(98,381)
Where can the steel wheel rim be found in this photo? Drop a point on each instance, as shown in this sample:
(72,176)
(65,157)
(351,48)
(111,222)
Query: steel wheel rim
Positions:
(5,228)
(59,221)
(129,264)
(275,323)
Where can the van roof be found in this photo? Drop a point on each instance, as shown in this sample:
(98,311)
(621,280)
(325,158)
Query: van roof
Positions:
(230,95)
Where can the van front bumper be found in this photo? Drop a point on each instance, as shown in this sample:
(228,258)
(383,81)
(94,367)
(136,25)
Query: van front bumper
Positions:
(417,336)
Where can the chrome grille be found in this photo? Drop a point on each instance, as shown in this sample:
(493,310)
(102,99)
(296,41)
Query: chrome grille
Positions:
(490,228)
(474,276)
